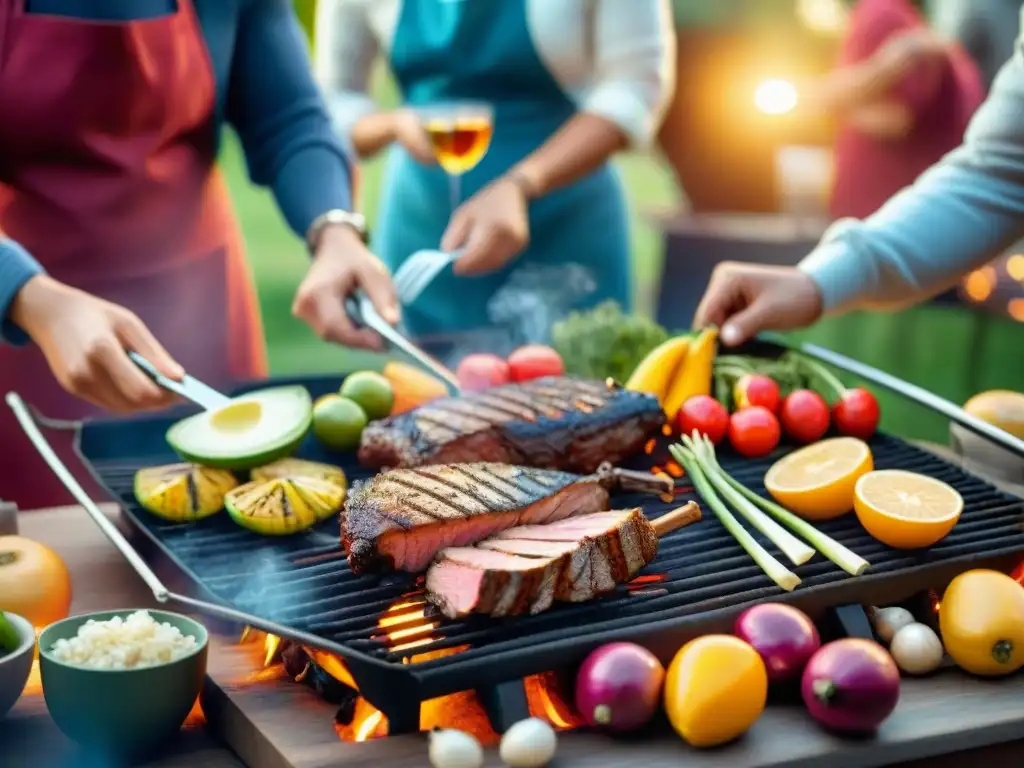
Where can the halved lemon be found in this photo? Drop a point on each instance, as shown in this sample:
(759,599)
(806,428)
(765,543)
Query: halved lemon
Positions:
(906,510)
(817,482)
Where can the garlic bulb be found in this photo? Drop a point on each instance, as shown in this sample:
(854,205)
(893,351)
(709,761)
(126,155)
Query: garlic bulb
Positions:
(530,743)
(888,621)
(454,749)
(916,649)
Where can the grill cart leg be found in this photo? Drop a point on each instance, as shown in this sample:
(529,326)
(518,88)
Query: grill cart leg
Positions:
(403,718)
(852,621)
(8,519)
(505,704)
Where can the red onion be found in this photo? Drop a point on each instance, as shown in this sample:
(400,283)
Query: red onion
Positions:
(618,688)
(851,685)
(784,637)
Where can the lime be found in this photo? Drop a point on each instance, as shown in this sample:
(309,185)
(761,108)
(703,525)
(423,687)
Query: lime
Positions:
(371,392)
(10,640)
(338,422)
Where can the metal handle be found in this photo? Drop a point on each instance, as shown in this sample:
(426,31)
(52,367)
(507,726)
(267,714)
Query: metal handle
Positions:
(911,391)
(28,423)
(189,388)
(361,310)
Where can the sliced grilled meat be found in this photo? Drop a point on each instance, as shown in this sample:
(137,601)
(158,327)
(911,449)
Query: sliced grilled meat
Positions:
(402,518)
(525,569)
(553,422)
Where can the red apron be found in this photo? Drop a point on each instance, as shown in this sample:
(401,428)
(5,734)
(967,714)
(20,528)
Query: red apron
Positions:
(108,177)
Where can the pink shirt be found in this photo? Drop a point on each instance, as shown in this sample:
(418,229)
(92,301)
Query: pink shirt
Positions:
(870,170)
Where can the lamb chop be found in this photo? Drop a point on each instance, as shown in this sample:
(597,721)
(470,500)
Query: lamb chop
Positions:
(526,569)
(399,520)
(552,422)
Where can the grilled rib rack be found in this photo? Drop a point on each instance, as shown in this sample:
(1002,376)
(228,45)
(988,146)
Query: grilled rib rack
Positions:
(301,587)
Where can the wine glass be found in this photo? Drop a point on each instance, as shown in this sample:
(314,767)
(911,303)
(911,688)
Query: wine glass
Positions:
(460,135)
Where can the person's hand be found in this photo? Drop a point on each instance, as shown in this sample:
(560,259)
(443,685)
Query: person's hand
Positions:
(491,228)
(903,51)
(342,264)
(745,299)
(407,129)
(84,340)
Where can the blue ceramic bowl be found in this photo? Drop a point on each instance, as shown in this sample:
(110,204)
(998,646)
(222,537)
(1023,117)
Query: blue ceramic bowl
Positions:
(16,665)
(121,714)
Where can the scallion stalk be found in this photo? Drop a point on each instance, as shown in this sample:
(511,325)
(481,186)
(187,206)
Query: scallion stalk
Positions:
(845,558)
(775,570)
(797,551)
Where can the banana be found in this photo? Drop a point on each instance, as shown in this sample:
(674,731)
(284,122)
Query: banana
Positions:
(695,378)
(660,368)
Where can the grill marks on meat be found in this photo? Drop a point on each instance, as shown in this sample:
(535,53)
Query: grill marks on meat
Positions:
(401,519)
(552,422)
(526,568)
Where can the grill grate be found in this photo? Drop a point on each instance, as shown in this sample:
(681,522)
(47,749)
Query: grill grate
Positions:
(303,581)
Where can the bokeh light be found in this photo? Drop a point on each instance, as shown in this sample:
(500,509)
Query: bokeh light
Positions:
(775,97)
(979,285)
(1015,267)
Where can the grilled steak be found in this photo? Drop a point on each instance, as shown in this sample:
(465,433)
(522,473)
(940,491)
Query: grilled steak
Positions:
(553,422)
(525,569)
(401,519)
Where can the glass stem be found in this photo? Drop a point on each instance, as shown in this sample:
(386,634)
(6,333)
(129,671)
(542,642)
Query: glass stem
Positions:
(454,190)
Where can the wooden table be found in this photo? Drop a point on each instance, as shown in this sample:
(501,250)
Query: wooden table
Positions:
(102,580)
(948,713)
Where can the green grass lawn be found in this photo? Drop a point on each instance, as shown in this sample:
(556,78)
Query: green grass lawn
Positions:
(279,260)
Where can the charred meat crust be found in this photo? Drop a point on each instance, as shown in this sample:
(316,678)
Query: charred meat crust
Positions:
(553,422)
(400,519)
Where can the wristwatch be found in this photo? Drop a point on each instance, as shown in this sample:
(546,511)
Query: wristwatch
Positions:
(336,217)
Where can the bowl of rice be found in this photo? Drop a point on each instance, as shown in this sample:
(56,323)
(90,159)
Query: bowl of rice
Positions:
(121,683)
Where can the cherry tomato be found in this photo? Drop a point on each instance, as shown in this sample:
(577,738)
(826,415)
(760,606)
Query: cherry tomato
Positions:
(479,372)
(804,415)
(754,431)
(857,413)
(756,389)
(534,361)
(706,415)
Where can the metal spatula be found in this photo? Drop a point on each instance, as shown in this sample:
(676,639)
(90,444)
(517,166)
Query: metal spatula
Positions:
(190,388)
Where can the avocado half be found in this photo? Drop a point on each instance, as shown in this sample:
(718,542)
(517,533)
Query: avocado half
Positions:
(254,429)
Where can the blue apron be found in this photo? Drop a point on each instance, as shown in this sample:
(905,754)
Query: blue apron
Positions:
(482,50)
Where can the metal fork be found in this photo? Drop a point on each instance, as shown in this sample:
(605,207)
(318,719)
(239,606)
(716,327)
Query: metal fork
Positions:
(418,271)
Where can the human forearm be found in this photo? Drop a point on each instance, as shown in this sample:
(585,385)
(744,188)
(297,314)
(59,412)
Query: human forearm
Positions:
(957,216)
(290,143)
(882,119)
(583,144)
(372,133)
(17,267)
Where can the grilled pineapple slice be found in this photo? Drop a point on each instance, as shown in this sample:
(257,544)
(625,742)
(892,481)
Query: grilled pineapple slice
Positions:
(283,506)
(183,493)
(285,468)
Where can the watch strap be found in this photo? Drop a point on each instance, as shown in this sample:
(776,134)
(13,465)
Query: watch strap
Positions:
(336,217)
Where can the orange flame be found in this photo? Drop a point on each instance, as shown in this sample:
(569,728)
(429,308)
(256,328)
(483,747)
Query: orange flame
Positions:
(406,625)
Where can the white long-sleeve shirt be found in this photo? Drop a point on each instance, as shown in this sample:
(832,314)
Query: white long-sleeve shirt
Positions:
(615,58)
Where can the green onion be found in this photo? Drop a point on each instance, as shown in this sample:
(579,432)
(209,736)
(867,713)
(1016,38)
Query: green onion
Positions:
(775,570)
(845,558)
(797,551)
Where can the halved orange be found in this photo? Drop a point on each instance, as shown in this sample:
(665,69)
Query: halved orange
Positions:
(817,482)
(906,510)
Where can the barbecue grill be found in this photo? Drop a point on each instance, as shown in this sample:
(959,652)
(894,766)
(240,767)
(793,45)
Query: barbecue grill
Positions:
(301,588)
